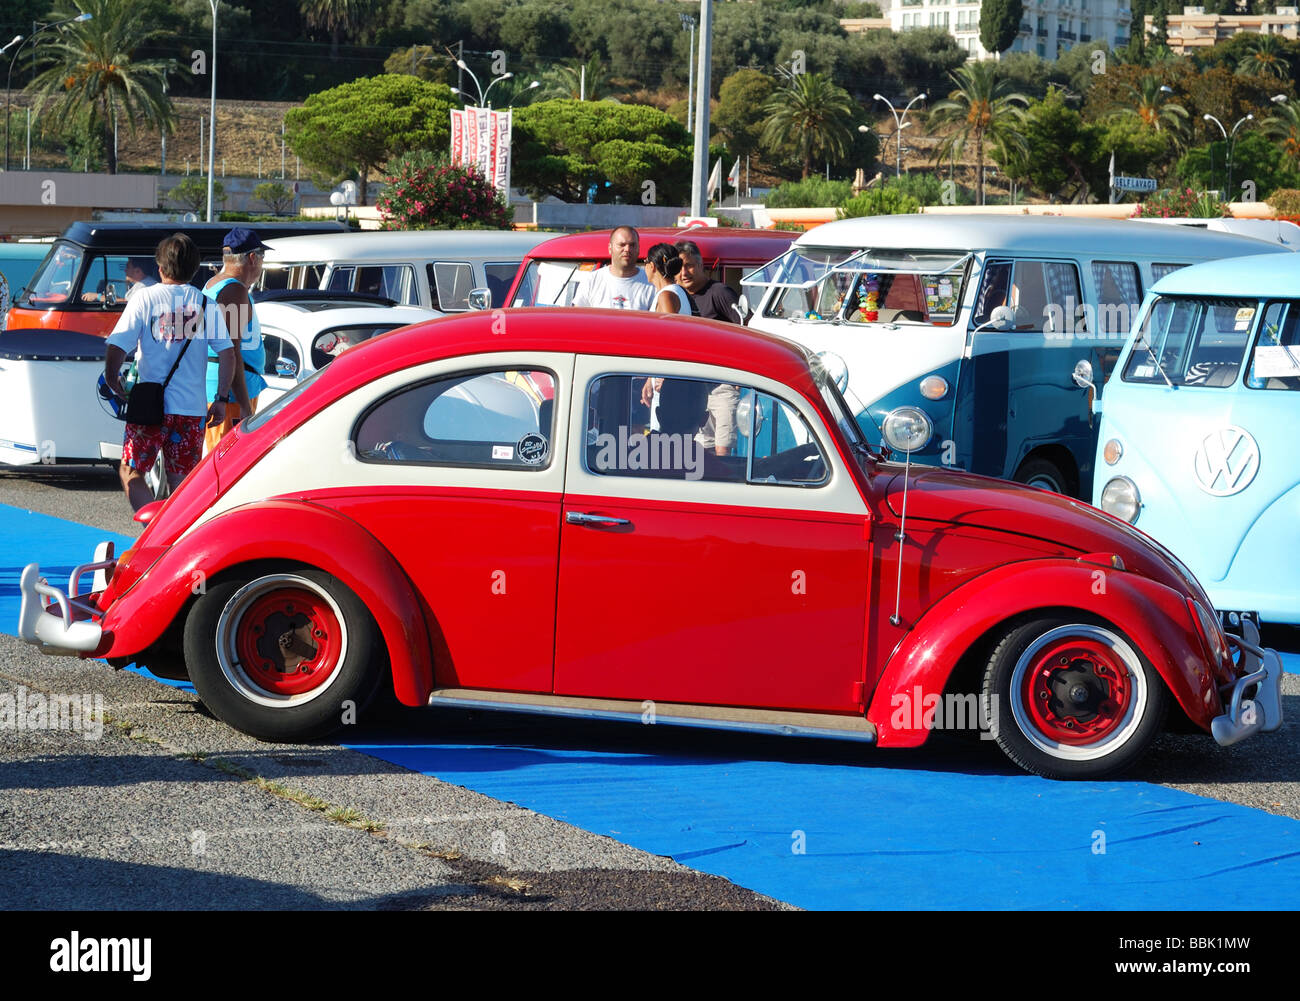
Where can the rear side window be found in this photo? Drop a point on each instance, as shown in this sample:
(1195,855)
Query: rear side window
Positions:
(389,281)
(449,285)
(1119,295)
(1275,359)
(1044,294)
(1192,342)
(1158,271)
(329,344)
(486,419)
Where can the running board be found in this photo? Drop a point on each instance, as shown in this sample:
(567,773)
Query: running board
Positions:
(785,724)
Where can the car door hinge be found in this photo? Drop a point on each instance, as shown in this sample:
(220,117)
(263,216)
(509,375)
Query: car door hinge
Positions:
(859,692)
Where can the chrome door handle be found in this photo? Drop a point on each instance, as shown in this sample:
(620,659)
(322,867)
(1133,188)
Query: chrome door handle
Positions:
(604,521)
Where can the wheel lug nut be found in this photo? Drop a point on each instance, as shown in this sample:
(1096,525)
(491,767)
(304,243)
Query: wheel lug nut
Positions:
(319,633)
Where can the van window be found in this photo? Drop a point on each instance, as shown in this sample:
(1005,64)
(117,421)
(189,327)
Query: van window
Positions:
(340,280)
(1119,295)
(499,277)
(1044,294)
(1158,271)
(1275,360)
(1192,342)
(449,285)
(389,281)
(53,282)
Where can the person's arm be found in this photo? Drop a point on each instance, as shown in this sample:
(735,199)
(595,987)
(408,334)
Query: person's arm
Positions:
(237,308)
(225,372)
(113,359)
(666,302)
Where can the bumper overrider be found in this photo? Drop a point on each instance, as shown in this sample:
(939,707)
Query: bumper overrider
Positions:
(1254,700)
(64,623)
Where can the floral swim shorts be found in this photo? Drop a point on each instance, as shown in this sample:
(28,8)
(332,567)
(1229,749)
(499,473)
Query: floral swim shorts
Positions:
(180,439)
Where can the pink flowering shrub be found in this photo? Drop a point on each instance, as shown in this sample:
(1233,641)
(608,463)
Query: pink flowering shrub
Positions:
(1181,203)
(424,192)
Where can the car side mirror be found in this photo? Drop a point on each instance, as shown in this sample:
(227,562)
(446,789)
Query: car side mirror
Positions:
(1082,375)
(110,294)
(1002,318)
(286,367)
(480,298)
(743,308)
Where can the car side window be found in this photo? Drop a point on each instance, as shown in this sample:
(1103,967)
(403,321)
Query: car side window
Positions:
(389,281)
(499,278)
(1275,359)
(340,280)
(675,428)
(450,284)
(488,420)
(329,344)
(280,349)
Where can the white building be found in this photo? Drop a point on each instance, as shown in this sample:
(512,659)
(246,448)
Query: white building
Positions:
(1048,26)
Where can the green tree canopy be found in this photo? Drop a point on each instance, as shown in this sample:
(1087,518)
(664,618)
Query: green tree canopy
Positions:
(359,126)
(980,110)
(563,147)
(739,118)
(815,115)
(999,23)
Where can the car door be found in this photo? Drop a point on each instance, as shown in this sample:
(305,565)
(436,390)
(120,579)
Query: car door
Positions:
(734,574)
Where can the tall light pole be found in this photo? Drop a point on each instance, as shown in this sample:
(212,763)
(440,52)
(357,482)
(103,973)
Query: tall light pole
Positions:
(688,23)
(21,45)
(212,112)
(1230,138)
(899,124)
(700,174)
(482,94)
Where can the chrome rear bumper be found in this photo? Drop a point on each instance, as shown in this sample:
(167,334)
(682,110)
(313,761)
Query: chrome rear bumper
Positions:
(1260,669)
(59,622)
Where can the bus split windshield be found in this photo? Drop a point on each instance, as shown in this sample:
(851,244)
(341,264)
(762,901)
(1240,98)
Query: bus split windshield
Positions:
(920,287)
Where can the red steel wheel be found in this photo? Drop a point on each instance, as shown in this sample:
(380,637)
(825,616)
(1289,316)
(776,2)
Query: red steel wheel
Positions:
(289,641)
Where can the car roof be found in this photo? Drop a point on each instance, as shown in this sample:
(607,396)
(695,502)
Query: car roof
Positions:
(284,315)
(143,238)
(579,331)
(742,246)
(404,245)
(1263,276)
(1047,235)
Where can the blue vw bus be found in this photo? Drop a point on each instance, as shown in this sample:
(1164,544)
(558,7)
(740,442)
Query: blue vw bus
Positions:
(963,330)
(1197,443)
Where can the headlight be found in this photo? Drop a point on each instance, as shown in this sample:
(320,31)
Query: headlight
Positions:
(1121,498)
(906,429)
(934,387)
(1112,451)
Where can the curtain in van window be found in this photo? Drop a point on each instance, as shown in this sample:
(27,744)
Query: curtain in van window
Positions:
(1117,286)
(1062,281)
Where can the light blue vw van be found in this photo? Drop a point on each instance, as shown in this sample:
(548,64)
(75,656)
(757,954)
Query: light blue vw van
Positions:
(964,329)
(1199,442)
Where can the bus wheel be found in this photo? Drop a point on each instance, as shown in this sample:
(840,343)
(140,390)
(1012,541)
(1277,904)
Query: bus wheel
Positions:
(1044,475)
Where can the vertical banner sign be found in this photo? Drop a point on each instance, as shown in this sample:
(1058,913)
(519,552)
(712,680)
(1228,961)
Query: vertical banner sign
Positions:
(480,137)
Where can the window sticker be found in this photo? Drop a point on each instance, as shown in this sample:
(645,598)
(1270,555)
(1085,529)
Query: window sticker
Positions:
(1244,315)
(531,448)
(1277,361)
(505,452)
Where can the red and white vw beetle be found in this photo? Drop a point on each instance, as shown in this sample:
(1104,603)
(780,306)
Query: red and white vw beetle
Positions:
(483,509)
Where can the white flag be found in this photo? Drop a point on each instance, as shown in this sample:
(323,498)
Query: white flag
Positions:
(715,178)
(734,177)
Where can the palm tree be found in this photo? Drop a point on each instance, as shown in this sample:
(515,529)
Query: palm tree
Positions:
(812,113)
(335,16)
(89,68)
(1150,102)
(1284,126)
(589,81)
(1266,57)
(983,111)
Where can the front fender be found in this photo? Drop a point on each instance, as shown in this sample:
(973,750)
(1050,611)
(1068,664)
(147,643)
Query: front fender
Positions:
(256,532)
(1154,617)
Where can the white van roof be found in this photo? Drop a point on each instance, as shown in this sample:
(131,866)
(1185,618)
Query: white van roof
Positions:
(406,245)
(1050,236)
(1250,277)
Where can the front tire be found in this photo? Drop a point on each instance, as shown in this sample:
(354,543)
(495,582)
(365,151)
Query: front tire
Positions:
(285,655)
(1043,475)
(1075,699)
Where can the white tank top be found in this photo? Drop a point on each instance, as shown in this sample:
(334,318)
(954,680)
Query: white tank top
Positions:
(683,300)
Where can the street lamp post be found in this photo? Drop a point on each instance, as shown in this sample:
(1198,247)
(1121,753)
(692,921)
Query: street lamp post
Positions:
(22,43)
(899,124)
(532,86)
(688,23)
(1230,138)
(212,111)
(482,94)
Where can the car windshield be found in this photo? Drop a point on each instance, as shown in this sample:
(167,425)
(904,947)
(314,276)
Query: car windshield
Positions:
(553,283)
(1192,341)
(54,281)
(918,287)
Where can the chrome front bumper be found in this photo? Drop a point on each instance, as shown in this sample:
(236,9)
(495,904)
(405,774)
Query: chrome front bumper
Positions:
(1260,669)
(59,622)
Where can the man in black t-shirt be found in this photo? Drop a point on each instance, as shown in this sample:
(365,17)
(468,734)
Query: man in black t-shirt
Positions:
(712,300)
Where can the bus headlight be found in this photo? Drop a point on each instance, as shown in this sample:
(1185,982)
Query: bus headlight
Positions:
(1120,498)
(906,429)
(934,387)
(1112,451)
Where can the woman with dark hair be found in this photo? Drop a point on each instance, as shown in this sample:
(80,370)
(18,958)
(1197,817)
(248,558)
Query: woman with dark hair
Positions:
(662,266)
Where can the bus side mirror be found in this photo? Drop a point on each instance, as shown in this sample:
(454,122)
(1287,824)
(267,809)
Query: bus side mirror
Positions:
(1002,318)
(480,298)
(1082,375)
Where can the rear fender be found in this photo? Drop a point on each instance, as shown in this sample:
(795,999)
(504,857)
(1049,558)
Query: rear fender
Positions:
(1153,616)
(253,533)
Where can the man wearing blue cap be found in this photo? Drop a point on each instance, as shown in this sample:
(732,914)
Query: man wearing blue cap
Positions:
(241,266)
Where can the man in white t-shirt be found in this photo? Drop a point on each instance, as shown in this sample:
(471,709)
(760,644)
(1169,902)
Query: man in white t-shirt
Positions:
(161,324)
(621,284)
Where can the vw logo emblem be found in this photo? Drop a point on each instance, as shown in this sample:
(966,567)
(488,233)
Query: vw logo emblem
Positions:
(1226,461)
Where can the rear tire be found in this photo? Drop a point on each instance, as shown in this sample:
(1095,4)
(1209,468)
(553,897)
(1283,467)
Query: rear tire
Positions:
(1075,699)
(1043,475)
(285,655)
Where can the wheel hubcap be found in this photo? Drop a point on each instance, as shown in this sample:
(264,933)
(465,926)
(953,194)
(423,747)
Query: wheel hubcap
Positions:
(281,640)
(1078,692)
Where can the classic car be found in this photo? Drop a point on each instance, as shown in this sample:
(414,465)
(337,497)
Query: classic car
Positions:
(417,514)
